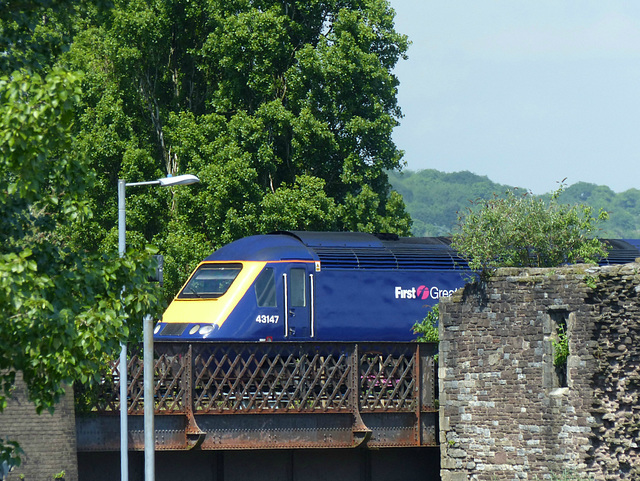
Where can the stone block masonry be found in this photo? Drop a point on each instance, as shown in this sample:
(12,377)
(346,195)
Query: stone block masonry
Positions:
(506,412)
(48,441)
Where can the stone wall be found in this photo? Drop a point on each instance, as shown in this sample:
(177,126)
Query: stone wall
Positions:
(48,441)
(506,413)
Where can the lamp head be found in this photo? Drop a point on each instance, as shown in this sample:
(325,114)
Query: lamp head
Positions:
(184,179)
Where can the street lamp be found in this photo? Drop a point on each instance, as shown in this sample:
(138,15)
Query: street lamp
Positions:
(149,430)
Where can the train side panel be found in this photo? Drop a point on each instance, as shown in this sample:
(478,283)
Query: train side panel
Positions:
(340,305)
(378,305)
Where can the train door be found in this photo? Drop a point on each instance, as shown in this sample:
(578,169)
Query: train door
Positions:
(299,299)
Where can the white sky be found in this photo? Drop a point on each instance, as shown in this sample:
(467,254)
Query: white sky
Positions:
(526,93)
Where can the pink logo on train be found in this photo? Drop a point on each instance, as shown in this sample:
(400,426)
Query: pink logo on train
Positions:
(423,292)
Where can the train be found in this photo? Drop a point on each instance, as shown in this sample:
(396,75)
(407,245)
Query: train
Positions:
(322,286)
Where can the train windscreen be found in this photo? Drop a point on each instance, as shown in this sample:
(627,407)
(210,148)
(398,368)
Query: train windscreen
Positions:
(210,281)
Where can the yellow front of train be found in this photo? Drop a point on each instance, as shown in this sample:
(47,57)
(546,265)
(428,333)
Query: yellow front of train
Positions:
(205,302)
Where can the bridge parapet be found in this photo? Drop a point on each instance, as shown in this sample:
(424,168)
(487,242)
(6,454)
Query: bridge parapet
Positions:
(271,395)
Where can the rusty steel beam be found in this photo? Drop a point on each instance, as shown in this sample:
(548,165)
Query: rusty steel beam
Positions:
(265,431)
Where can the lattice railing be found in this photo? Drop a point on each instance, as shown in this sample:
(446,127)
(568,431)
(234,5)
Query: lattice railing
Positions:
(229,378)
(246,377)
(388,382)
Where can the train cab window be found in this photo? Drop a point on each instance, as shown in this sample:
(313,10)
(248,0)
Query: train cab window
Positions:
(210,281)
(266,288)
(297,287)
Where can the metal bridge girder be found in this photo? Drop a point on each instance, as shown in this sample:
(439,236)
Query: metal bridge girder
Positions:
(271,395)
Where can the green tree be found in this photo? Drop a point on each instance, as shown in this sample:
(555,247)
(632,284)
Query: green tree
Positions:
(623,208)
(524,231)
(283,109)
(427,329)
(434,198)
(62,309)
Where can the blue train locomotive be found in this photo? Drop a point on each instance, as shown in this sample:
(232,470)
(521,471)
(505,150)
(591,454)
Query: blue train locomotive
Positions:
(322,286)
(325,286)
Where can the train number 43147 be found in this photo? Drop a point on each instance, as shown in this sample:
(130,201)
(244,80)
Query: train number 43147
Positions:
(262,319)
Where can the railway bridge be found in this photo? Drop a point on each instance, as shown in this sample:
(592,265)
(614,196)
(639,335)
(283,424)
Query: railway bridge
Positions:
(282,397)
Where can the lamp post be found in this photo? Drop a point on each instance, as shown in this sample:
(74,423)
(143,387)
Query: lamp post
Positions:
(149,430)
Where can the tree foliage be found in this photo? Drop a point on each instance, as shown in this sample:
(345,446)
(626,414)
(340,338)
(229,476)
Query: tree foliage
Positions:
(62,309)
(283,109)
(427,329)
(520,230)
(623,208)
(434,198)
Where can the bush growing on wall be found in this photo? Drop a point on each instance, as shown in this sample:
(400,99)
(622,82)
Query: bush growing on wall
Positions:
(520,230)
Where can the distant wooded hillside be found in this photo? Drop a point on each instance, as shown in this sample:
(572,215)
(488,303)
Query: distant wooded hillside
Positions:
(434,198)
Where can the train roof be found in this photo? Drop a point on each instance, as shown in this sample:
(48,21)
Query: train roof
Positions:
(621,251)
(358,250)
(263,248)
(345,250)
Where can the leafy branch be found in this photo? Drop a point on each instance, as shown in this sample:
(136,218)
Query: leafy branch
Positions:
(427,329)
(520,230)
(560,348)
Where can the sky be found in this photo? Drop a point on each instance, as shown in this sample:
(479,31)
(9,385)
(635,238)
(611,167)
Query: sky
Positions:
(526,93)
